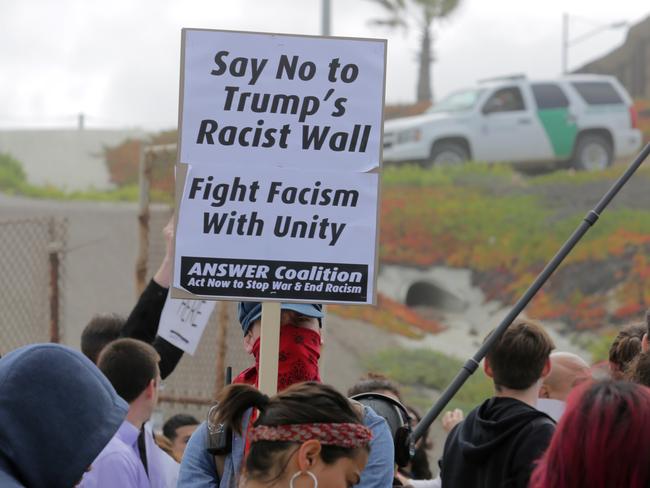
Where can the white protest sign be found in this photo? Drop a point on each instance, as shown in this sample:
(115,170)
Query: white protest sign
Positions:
(281,100)
(277,234)
(182,322)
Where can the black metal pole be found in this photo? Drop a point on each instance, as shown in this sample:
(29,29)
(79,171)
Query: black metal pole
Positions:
(470,366)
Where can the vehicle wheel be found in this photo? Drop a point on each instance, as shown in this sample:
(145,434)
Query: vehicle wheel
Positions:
(448,153)
(593,153)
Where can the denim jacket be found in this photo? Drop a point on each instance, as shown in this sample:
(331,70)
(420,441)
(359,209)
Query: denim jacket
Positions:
(198,469)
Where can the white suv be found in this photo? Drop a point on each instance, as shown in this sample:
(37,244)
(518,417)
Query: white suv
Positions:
(586,119)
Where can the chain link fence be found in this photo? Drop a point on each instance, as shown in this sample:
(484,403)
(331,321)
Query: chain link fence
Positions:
(196,381)
(31,280)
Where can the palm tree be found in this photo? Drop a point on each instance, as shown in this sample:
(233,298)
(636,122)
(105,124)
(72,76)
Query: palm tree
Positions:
(421,13)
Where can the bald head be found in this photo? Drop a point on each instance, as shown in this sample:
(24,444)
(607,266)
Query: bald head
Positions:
(567,371)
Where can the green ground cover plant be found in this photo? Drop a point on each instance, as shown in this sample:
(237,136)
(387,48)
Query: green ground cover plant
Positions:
(494,220)
(505,227)
(13,181)
(425,374)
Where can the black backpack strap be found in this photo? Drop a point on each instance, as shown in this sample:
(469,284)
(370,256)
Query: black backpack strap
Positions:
(220,465)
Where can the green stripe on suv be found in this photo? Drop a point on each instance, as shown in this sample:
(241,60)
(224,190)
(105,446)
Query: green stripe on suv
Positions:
(559,129)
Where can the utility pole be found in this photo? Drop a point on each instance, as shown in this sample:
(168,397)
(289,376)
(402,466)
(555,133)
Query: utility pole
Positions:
(326,18)
(565,42)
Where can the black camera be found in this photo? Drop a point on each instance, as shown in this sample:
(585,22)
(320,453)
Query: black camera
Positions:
(219,436)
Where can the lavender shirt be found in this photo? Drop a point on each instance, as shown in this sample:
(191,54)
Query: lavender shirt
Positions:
(119,463)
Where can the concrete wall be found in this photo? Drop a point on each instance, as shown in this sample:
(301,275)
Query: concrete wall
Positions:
(70,159)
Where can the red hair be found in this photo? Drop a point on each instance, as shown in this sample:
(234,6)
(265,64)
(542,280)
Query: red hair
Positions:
(602,440)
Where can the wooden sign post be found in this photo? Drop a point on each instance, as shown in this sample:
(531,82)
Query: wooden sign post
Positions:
(269,348)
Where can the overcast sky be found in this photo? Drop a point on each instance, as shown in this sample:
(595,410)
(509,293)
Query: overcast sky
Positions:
(117,61)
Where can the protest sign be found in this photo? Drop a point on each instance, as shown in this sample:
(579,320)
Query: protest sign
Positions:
(281,100)
(182,322)
(277,234)
(280,141)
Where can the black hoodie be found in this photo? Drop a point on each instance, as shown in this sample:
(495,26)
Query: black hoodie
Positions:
(496,445)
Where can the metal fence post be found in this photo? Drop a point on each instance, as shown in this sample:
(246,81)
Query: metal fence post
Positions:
(143,220)
(222,347)
(53,251)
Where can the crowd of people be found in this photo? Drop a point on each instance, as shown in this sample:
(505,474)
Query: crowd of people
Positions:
(84,419)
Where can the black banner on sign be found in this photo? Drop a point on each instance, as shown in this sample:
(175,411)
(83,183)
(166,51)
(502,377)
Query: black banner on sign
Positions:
(258,279)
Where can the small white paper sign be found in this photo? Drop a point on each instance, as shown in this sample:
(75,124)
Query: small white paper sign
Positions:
(183,321)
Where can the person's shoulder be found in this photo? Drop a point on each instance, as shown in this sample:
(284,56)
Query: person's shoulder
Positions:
(197,465)
(538,431)
(115,457)
(542,424)
(541,420)
(201,430)
(196,445)
(8,481)
(379,470)
(115,452)
(536,420)
(368,415)
(376,423)
(116,463)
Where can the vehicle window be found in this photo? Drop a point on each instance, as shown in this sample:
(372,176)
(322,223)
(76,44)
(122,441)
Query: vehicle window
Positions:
(549,95)
(457,102)
(505,100)
(597,92)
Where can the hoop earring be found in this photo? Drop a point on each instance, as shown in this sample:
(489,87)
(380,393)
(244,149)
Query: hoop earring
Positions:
(308,473)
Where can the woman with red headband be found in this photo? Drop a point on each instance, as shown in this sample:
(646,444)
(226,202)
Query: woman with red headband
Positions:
(307,436)
(602,440)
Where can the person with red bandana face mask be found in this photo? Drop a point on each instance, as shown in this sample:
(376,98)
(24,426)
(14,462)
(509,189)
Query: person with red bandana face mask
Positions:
(300,343)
